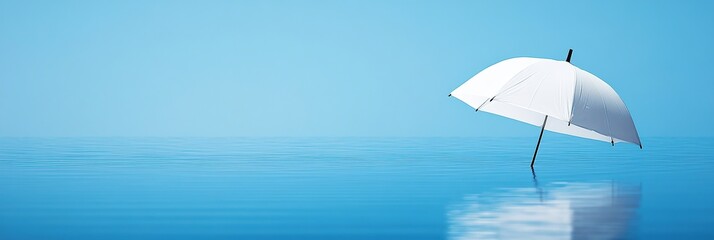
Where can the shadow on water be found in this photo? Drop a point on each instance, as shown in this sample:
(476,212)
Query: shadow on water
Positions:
(556,210)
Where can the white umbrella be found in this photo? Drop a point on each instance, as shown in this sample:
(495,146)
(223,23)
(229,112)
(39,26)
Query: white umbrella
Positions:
(552,94)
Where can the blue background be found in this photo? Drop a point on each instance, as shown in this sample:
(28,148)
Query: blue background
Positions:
(318,72)
(332,68)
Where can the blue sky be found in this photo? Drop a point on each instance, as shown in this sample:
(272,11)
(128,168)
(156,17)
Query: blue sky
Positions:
(333,68)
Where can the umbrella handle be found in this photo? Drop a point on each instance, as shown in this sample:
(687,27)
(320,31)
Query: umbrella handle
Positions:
(539,138)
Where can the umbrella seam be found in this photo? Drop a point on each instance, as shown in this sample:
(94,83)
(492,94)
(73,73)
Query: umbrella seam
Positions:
(575,91)
(530,102)
(607,117)
(518,83)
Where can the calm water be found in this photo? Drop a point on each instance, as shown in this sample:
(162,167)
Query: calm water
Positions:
(355,188)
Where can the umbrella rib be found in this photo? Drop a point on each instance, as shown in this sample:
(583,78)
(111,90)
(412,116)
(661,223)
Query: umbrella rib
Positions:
(536,91)
(607,117)
(484,102)
(514,85)
(575,94)
(518,83)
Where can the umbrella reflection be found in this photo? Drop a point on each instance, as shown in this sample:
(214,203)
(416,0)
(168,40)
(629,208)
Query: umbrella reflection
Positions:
(561,210)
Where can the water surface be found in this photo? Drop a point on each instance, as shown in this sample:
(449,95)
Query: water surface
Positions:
(354,188)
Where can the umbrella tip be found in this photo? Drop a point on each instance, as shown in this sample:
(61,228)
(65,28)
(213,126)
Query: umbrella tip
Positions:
(449,94)
(570,53)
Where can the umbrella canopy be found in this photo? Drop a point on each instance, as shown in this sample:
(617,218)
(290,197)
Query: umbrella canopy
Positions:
(555,95)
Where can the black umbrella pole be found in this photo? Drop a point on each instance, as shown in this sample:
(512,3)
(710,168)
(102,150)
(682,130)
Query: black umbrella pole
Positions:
(539,138)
